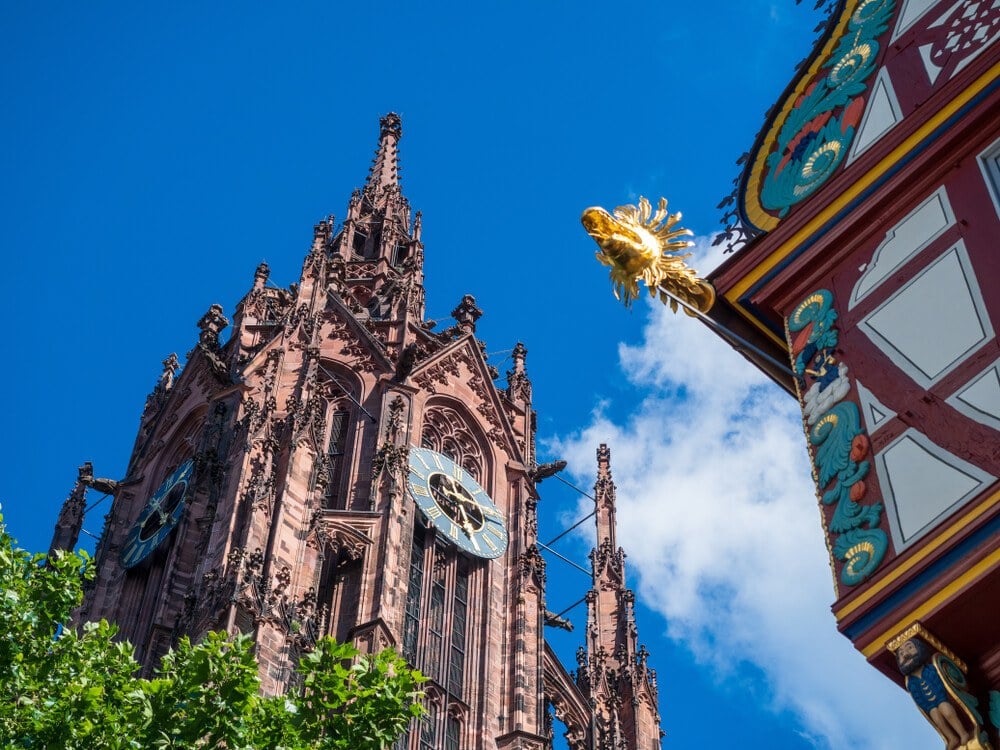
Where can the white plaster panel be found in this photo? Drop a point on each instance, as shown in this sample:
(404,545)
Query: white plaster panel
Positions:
(989,162)
(979,399)
(880,115)
(933,322)
(874,412)
(910,13)
(913,233)
(923,483)
(981,37)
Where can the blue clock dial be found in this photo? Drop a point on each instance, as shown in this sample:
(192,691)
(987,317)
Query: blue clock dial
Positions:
(453,501)
(159,517)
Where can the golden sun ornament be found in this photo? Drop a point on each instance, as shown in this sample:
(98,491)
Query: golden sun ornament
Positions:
(640,245)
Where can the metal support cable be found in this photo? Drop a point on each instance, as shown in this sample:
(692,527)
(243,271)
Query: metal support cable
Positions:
(347,393)
(570,484)
(566,560)
(97,502)
(560,535)
(572,606)
(590,515)
(735,340)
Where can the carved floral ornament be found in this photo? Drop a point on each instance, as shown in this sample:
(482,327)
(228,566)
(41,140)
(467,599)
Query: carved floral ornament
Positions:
(810,135)
(839,446)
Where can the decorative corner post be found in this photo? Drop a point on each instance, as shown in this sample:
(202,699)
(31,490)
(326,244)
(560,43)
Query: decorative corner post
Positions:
(936,680)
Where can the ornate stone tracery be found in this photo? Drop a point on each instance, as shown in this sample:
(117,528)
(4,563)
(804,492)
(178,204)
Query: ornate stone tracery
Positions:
(446,431)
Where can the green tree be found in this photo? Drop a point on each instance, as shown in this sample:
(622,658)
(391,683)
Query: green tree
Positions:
(67,687)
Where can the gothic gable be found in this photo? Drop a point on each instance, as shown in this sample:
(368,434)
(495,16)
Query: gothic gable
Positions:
(462,362)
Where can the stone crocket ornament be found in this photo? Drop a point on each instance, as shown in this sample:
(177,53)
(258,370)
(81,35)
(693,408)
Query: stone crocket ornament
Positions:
(938,687)
(640,245)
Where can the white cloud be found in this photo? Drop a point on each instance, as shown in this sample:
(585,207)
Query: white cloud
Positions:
(717,512)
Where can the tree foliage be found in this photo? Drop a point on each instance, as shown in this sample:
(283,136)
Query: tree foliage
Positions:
(75,687)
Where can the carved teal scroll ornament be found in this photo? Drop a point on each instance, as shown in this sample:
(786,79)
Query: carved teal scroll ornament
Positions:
(819,129)
(838,443)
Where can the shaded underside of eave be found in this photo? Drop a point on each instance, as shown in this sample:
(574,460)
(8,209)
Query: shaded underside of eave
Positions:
(729,319)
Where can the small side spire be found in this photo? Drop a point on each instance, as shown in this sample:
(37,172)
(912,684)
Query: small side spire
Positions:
(604,495)
(518,383)
(70,521)
(614,670)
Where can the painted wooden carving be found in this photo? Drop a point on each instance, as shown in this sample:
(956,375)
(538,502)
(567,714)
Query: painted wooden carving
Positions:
(935,679)
(839,446)
(812,133)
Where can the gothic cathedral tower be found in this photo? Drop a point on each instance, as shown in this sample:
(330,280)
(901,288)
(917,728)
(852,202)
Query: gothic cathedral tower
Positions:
(339,466)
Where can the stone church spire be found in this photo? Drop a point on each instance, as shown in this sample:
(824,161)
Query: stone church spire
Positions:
(379,248)
(613,673)
(383,176)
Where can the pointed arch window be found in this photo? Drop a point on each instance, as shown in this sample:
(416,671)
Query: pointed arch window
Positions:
(359,242)
(400,253)
(436,617)
(452,733)
(411,622)
(328,471)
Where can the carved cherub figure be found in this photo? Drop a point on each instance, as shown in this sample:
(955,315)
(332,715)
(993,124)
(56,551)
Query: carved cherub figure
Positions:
(930,687)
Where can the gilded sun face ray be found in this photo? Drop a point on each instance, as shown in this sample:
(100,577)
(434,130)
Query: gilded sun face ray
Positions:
(638,244)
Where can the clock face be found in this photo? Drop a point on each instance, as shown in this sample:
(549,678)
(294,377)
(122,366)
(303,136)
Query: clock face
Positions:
(159,517)
(455,503)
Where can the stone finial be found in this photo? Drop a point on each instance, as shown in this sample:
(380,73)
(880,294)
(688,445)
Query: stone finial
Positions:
(466,314)
(211,324)
(170,367)
(518,384)
(322,232)
(519,355)
(418,225)
(261,275)
(390,125)
(603,460)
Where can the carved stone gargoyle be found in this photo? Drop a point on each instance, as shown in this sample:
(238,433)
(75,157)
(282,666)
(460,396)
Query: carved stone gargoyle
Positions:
(935,679)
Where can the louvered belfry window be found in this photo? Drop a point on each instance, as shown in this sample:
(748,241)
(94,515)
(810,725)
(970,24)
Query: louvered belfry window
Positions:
(411,621)
(335,449)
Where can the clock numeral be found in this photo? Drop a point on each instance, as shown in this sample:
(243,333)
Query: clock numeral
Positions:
(453,531)
(420,458)
(437,461)
(501,537)
(417,473)
(458,472)
(490,543)
(419,489)
(433,512)
(136,552)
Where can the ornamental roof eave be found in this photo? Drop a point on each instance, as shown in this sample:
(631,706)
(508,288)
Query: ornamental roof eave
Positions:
(807,134)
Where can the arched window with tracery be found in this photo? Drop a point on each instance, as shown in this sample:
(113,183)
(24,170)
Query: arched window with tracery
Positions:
(438,618)
(329,478)
(445,431)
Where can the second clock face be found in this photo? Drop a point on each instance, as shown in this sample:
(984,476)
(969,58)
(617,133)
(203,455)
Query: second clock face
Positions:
(159,517)
(455,503)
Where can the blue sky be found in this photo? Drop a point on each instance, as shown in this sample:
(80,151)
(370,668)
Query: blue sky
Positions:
(155,154)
